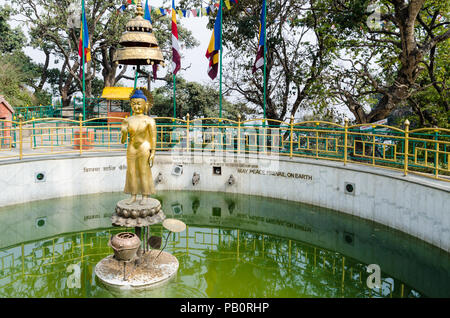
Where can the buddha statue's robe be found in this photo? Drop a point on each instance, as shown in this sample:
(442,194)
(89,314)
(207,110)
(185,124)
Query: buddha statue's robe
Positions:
(141,130)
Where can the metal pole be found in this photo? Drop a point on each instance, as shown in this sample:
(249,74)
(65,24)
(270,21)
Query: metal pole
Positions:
(83,58)
(345,140)
(20,137)
(291,128)
(406,148)
(239,134)
(187,133)
(265,57)
(174,95)
(221,50)
(136,76)
(436,156)
(135,84)
(80,118)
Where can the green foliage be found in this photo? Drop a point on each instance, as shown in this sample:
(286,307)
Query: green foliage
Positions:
(55,29)
(97,87)
(12,80)
(321,54)
(11,39)
(379,66)
(23,71)
(431,103)
(297,54)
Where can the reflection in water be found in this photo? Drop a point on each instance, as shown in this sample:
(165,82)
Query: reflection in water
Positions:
(234,246)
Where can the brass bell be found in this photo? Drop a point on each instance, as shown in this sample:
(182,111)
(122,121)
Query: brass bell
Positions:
(137,46)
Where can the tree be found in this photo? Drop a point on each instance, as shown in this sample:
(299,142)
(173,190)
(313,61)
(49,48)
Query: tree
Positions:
(372,57)
(17,70)
(431,105)
(12,80)
(297,53)
(53,30)
(12,39)
(387,64)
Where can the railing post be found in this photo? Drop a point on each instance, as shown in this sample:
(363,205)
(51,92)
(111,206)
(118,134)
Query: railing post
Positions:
(34,134)
(239,134)
(109,136)
(345,139)
(20,137)
(264,136)
(436,148)
(317,141)
(187,133)
(406,157)
(80,119)
(292,136)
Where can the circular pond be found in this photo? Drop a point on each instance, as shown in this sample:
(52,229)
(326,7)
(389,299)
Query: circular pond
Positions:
(233,246)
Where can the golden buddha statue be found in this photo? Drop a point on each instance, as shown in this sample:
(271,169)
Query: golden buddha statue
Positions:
(141,130)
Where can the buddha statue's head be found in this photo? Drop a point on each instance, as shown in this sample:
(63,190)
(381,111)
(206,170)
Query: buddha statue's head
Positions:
(139,102)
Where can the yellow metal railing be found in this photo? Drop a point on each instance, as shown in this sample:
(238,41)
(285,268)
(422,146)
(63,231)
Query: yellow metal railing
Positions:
(424,151)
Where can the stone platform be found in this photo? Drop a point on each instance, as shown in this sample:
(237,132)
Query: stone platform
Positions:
(136,214)
(145,275)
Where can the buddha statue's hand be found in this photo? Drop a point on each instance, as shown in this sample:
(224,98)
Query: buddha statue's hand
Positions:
(123,135)
(123,138)
(150,160)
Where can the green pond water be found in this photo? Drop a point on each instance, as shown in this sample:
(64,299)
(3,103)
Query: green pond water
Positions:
(234,246)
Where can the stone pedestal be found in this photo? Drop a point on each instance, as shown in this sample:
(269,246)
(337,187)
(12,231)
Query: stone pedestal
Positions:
(146,269)
(136,214)
(152,271)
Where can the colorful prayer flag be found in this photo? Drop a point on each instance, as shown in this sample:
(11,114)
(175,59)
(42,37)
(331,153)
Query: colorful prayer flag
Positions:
(212,53)
(176,56)
(147,12)
(259,62)
(122,8)
(84,47)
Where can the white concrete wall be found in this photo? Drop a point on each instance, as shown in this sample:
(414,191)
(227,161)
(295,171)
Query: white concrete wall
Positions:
(415,205)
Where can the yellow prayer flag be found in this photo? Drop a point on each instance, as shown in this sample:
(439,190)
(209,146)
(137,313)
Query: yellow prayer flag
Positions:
(227,4)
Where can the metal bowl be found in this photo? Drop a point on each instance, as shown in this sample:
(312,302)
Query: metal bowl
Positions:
(125,245)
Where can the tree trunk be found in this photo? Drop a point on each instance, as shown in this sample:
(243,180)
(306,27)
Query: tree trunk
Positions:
(66,99)
(410,58)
